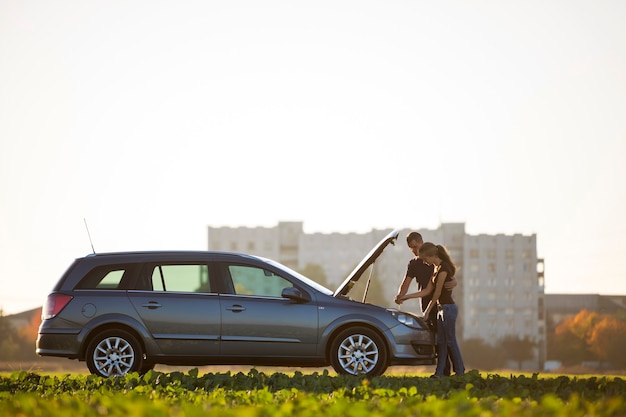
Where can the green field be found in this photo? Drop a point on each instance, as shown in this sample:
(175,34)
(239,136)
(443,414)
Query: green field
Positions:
(255,393)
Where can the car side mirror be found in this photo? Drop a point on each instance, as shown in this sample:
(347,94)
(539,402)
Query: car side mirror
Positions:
(293,294)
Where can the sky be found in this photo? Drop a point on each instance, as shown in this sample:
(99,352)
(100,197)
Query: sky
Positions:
(152,120)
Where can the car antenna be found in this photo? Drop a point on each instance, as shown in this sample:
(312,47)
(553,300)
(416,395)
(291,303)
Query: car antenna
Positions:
(89,235)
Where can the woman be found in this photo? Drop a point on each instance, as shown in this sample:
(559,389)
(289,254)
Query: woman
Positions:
(447,312)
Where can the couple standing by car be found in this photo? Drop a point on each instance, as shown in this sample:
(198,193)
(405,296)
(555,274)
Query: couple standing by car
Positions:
(434,270)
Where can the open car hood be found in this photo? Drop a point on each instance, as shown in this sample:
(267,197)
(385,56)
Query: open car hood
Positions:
(371,257)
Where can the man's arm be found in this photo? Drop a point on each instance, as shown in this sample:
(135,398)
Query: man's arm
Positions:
(404,287)
(449,285)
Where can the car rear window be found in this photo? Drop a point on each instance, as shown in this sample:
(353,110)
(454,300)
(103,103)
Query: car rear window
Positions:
(107,277)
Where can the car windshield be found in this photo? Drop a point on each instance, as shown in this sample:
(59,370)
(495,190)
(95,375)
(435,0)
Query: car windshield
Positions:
(301,277)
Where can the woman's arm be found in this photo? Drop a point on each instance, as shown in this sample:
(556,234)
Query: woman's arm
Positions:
(441,278)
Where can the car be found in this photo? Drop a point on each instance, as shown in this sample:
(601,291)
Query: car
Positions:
(129,311)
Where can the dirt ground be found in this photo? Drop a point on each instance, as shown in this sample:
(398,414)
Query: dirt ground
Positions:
(61,365)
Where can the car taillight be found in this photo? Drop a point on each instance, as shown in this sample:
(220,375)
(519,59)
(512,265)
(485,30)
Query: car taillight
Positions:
(54,304)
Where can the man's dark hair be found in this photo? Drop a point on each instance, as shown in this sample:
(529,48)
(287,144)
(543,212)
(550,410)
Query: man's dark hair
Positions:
(414,236)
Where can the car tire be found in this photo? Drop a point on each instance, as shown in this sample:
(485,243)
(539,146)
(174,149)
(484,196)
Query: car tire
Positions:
(358,351)
(114,353)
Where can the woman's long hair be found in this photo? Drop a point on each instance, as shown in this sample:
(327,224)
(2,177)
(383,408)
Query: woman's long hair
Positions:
(430,249)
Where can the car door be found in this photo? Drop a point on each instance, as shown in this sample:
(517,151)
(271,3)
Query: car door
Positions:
(258,322)
(179,308)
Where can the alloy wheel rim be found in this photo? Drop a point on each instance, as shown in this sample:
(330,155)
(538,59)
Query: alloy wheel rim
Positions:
(358,354)
(113,356)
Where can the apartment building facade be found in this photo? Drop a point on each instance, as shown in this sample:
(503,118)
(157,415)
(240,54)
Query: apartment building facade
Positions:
(501,280)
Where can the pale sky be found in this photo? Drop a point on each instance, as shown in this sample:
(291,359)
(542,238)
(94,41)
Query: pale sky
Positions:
(155,119)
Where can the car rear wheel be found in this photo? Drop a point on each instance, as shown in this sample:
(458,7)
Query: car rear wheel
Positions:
(358,350)
(114,353)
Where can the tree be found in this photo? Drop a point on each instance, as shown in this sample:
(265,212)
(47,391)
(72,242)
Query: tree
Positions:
(31,329)
(583,323)
(18,344)
(590,336)
(518,348)
(608,339)
(571,338)
(9,346)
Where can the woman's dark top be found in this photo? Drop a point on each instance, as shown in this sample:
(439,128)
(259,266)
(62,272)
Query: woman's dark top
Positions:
(446,295)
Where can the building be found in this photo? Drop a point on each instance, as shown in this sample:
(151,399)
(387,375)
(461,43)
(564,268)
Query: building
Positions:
(504,290)
(501,280)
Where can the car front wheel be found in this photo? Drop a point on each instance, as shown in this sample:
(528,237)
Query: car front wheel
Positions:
(358,350)
(114,353)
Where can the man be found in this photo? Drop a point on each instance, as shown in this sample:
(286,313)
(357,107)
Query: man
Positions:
(422,273)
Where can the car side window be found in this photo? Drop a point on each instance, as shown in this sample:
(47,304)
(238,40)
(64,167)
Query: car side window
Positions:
(248,280)
(181,278)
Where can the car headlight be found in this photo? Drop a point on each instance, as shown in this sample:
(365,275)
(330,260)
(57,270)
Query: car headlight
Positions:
(408,319)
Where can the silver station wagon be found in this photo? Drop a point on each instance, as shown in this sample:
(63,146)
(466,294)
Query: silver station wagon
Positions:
(127,312)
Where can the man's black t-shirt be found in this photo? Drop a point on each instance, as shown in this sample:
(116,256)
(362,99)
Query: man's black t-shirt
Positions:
(422,272)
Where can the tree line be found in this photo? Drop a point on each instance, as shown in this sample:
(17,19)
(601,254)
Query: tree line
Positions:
(590,337)
(18,344)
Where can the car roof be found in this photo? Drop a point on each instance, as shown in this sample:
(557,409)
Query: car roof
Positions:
(167,253)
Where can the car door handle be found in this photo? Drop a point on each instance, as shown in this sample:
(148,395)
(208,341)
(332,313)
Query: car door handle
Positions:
(152,305)
(236,308)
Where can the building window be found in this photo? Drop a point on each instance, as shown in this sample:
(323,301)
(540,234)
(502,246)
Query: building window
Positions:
(474,253)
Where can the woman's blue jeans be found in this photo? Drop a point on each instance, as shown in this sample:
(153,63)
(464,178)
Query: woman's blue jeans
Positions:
(446,339)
